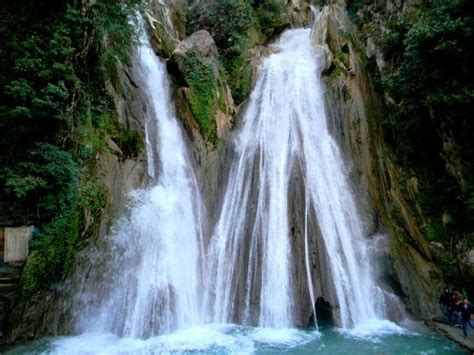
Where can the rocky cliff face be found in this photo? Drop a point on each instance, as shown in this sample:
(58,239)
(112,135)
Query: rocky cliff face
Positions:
(356,110)
(49,312)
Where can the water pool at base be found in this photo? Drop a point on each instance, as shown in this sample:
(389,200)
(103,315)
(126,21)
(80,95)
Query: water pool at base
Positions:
(381,338)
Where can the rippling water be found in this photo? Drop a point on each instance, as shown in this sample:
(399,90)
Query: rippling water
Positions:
(372,338)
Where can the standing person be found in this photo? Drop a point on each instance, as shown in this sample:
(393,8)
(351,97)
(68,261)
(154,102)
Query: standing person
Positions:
(454,312)
(466,310)
(458,299)
(444,302)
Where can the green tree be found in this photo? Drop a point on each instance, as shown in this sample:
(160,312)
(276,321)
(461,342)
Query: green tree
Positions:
(433,94)
(55,117)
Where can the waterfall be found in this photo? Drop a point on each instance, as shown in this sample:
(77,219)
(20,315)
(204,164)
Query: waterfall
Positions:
(152,279)
(288,232)
(284,141)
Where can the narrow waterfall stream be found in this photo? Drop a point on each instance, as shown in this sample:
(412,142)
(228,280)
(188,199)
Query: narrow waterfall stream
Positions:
(154,272)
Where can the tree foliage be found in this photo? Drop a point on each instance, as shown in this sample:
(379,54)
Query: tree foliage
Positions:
(236,26)
(54,117)
(430,123)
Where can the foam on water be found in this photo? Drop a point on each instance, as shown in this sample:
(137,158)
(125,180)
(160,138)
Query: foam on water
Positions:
(211,338)
(283,337)
(374,329)
(235,339)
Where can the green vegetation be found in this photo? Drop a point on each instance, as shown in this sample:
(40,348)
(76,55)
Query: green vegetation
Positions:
(55,117)
(339,65)
(271,15)
(433,92)
(333,71)
(429,51)
(236,26)
(230,23)
(202,81)
(239,74)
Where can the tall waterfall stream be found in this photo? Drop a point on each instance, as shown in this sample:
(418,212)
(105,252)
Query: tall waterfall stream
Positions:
(154,272)
(283,136)
(287,195)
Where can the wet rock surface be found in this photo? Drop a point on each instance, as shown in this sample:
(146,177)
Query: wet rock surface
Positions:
(355,111)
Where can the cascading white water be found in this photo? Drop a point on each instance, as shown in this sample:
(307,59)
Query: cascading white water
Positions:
(155,279)
(284,128)
(154,270)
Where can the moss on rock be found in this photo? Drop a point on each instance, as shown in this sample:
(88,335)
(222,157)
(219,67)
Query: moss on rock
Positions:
(202,81)
(196,68)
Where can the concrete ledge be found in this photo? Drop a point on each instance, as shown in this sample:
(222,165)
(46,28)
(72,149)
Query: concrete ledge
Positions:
(453,333)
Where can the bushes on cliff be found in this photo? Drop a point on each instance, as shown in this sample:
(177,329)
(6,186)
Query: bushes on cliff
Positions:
(230,23)
(236,26)
(199,75)
(272,16)
(35,102)
(53,113)
(52,252)
(430,123)
(47,177)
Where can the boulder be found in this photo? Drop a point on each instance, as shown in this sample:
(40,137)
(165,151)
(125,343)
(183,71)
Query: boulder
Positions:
(203,101)
(200,41)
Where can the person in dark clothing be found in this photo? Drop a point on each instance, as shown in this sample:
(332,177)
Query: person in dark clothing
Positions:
(444,302)
(465,310)
(453,308)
